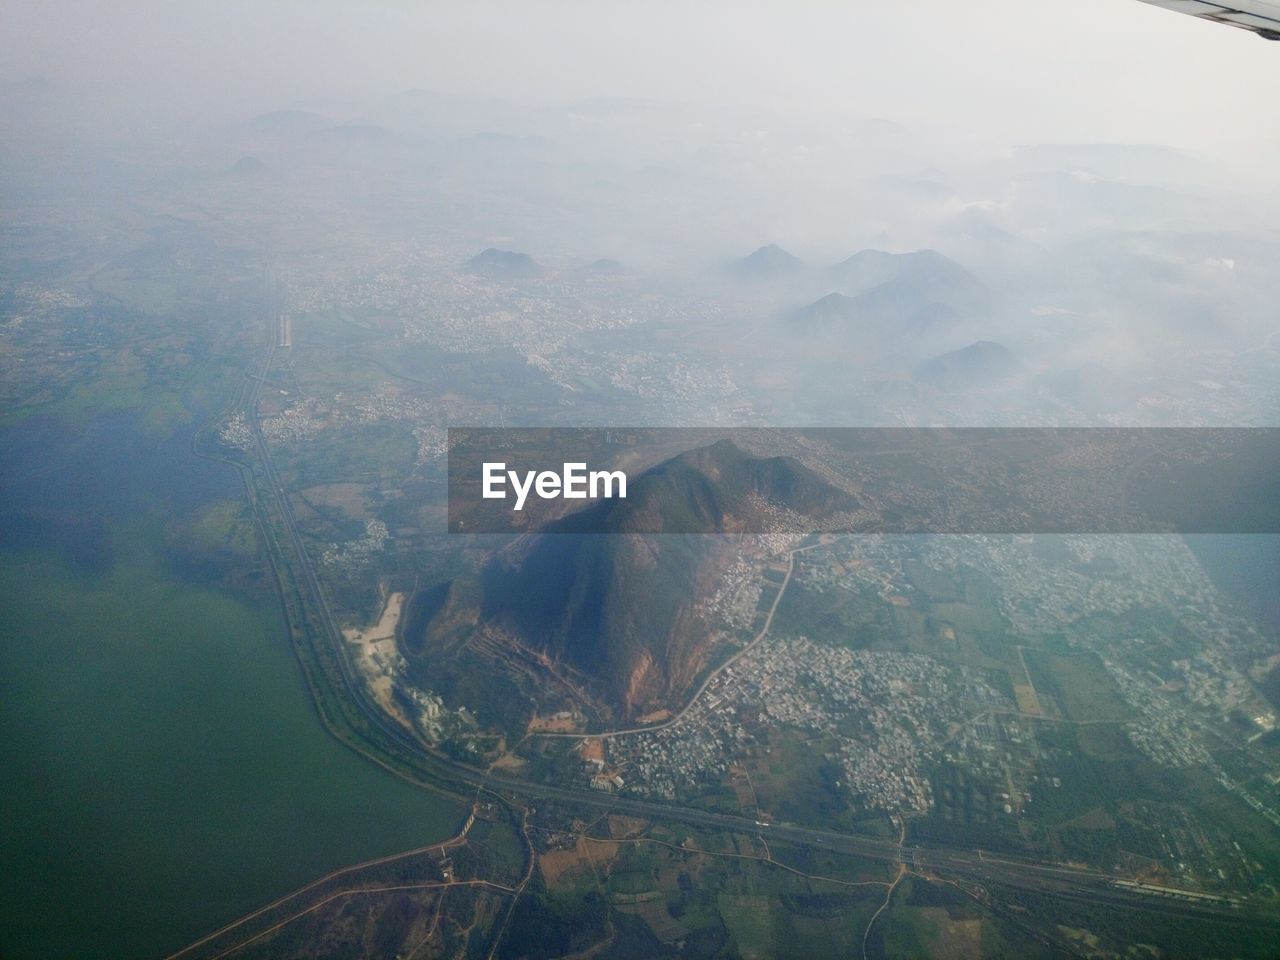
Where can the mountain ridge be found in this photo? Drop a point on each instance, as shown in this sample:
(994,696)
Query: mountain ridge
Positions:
(620,606)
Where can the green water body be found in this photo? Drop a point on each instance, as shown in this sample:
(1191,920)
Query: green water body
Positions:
(164,768)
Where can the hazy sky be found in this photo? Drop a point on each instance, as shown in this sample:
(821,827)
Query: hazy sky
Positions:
(1008,70)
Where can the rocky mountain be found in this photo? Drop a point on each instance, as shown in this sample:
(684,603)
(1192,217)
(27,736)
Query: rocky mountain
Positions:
(619,607)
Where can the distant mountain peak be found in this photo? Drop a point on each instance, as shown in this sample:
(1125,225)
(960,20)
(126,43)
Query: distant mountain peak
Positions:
(826,311)
(981,363)
(768,261)
(248,166)
(502,264)
(895,293)
(870,268)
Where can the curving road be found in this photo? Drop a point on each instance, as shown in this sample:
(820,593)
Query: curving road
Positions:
(702,688)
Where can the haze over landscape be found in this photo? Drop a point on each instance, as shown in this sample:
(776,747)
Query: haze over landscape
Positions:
(257,260)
